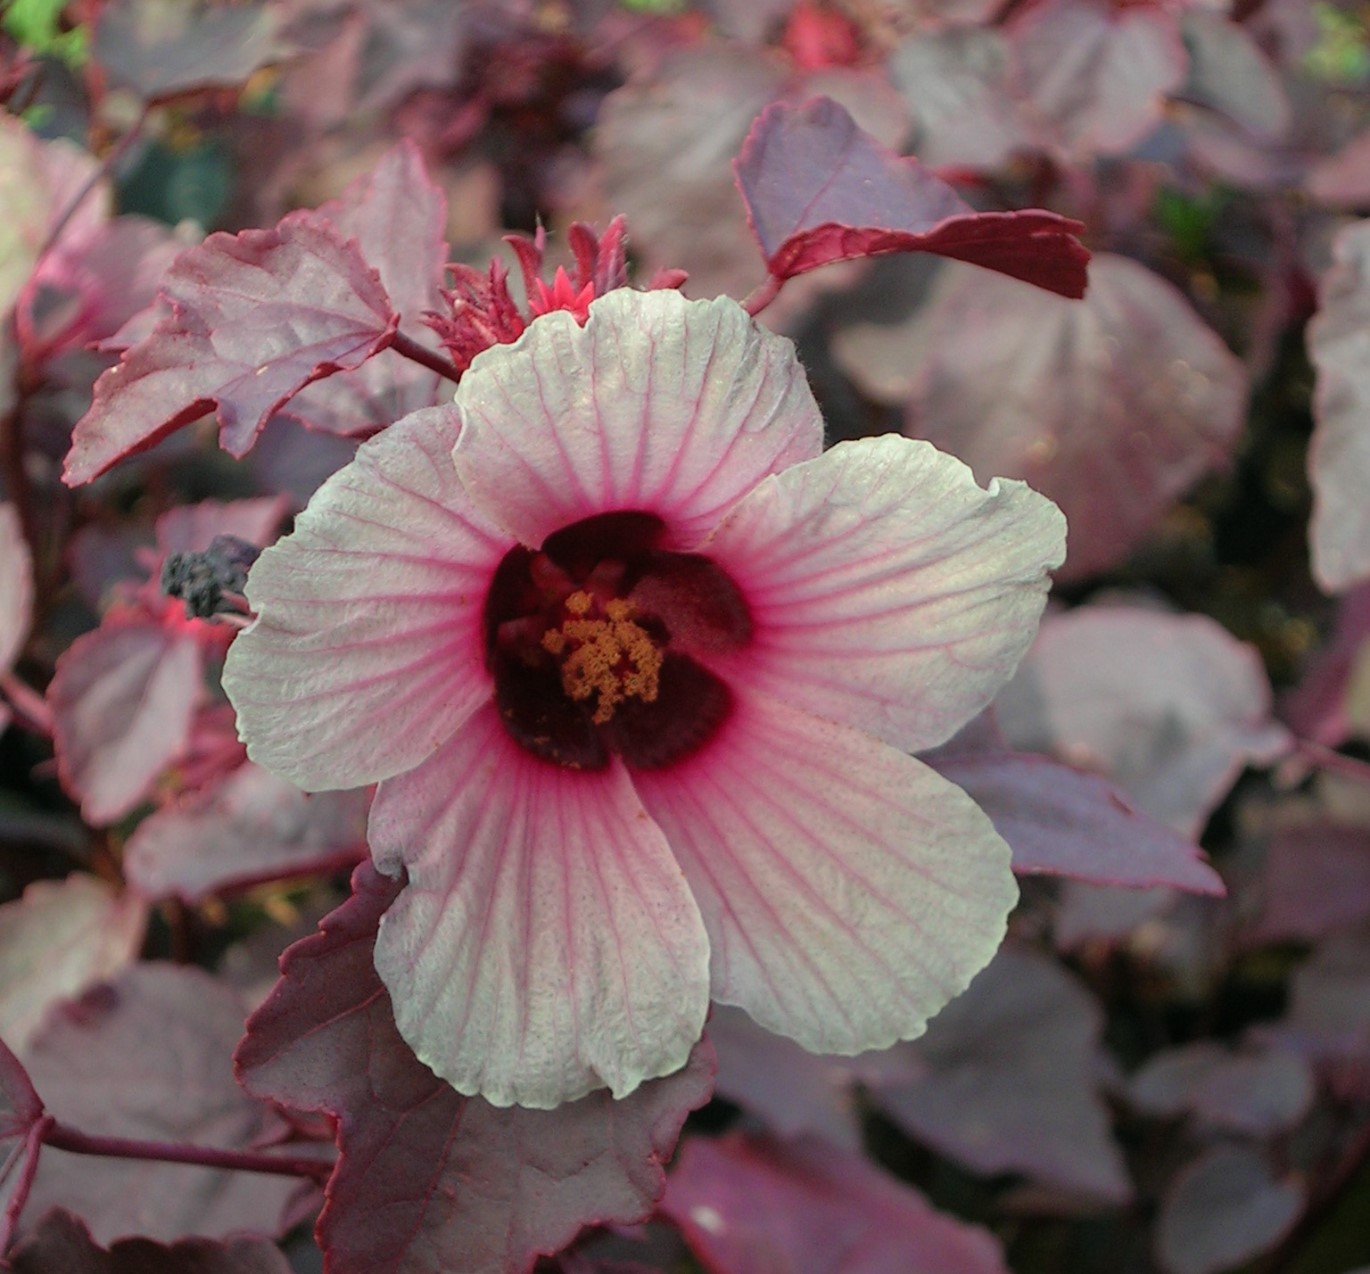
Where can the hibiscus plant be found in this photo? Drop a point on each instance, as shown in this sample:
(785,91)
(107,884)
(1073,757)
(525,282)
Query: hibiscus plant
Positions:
(642,636)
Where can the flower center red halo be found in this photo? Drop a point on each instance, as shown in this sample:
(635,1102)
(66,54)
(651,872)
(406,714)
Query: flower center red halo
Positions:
(599,641)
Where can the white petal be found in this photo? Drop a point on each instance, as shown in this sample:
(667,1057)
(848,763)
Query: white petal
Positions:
(848,890)
(546,944)
(659,404)
(888,590)
(367,650)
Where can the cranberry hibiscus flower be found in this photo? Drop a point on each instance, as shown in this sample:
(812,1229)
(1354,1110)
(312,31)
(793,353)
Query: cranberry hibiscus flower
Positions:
(639,668)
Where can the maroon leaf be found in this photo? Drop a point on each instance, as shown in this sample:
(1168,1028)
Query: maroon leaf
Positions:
(123,700)
(1339,456)
(1112,406)
(1095,74)
(1192,712)
(159,48)
(58,940)
(191,528)
(752,1205)
(1316,880)
(1010,1080)
(251,827)
(398,217)
(249,320)
(16,588)
(147,1057)
(1224,1208)
(20,1141)
(62,1245)
(1258,1092)
(1065,822)
(429,1181)
(819,190)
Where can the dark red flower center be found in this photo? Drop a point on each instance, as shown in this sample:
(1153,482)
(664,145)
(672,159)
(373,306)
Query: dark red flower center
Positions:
(596,642)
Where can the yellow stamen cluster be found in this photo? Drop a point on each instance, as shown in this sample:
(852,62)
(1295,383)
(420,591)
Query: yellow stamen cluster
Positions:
(610,657)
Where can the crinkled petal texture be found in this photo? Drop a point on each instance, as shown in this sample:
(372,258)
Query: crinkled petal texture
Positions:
(848,890)
(889,591)
(367,652)
(658,403)
(547,943)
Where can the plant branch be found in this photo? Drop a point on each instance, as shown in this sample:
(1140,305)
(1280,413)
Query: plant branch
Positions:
(28,703)
(1324,758)
(60,1137)
(425,357)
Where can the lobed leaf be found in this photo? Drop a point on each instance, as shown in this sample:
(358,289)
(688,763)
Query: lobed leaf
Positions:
(428,1181)
(249,320)
(819,190)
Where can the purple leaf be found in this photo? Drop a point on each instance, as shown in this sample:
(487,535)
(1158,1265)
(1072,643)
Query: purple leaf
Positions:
(20,1141)
(957,84)
(62,1245)
(1316,880)
(147,1057)
(249,320)
(1065,822)
(1229,73)
(398,217)
(191,528)
(1339,455)
(123,699)
(58,940)
(1113,406)
(1259,1093)
(1174,733)
(159,48)
(1010,1080)
(16,588)
(1224,1208)
(1094,76)
(751,1205)
(819,190)
(249,828)
(792,1090)
(427,1180)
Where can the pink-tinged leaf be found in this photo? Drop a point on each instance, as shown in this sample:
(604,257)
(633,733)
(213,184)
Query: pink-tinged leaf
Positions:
(58,940)
(398,217)
(20,1141)
(1064,822)
(957,85)
(123,699)
(1113,406)
(16,587)
(249,320)
(147,1057)
(191,528)
(61,1244)
(249,828)
(429,1181)
(29,206)
(794,1091)
(159,48)
(1322,706)
(1192,712)
(820,190)
(1339,455)
(89,285)
(1229,72)
(1258,1093)
(1316,880)
(752,1205)
(1094,76)
(1224,1208)
(1010,1083)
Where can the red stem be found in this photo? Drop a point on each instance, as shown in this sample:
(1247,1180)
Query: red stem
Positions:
(60,1137)
(28,703)
(763,295)
(1325,758)
(19,1195)
(424,356)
